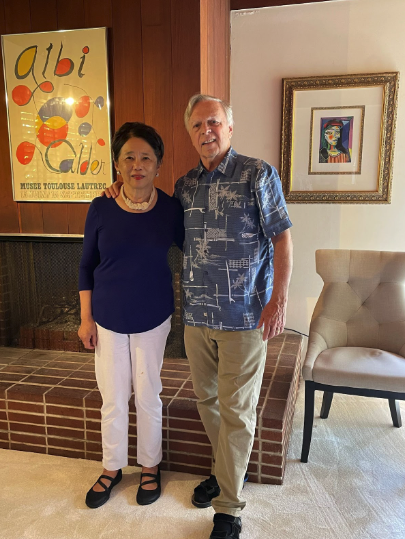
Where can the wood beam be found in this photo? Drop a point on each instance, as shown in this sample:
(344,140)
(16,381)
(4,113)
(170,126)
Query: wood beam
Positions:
(215,48)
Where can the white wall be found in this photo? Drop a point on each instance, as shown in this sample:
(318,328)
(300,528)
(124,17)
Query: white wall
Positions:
(335,37)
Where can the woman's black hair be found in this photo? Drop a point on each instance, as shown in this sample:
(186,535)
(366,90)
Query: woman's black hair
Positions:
(137,130)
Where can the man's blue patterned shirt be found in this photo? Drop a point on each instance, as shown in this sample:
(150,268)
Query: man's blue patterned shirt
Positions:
(230,216)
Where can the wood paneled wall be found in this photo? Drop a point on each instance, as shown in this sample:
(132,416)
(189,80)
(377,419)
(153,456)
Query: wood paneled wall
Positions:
(155,65)
(215,48)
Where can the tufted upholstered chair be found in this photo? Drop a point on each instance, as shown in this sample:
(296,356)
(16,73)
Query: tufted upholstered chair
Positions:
(357,334)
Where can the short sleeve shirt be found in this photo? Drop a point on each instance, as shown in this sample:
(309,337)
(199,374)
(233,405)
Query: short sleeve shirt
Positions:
(230,216)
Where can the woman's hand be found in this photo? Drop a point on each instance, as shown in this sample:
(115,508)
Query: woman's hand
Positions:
(88,333)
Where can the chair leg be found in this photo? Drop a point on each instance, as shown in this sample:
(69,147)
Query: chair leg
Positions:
(395,413)
(308,419)
(326,403)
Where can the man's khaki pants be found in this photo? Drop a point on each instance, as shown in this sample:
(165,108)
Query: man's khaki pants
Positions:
(227,370)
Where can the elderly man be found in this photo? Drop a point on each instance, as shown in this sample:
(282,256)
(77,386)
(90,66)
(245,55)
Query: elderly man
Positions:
(237,267)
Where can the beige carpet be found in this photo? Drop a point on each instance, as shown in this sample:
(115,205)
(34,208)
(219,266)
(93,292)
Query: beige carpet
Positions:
(352,487)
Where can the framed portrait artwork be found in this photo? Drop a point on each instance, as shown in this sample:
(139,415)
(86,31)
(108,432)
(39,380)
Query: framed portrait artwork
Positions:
(58,114)
(338,138)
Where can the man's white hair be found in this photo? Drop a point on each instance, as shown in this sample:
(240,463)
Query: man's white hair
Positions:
(197,98)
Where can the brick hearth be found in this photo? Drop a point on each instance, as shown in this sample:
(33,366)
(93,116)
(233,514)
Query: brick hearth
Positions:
(49,403)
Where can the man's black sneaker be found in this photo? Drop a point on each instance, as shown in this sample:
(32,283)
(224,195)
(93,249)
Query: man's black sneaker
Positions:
(207,490)
(226,527)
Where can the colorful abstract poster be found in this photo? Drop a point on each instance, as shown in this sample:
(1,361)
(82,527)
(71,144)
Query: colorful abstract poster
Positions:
(58,114)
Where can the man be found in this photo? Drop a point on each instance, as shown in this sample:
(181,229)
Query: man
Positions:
(237,267)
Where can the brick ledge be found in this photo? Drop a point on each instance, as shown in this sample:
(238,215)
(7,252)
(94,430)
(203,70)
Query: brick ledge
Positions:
(49,403)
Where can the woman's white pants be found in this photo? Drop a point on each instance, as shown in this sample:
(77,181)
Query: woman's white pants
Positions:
(123,359)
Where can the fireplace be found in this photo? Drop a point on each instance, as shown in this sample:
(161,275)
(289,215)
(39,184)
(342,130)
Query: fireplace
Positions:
(39,300)
(49,401)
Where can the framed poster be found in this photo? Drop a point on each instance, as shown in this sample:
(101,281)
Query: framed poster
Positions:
(338,138)
(58,114)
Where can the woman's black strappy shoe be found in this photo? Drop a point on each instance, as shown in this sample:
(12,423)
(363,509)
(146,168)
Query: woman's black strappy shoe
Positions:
(97,499)
(145,497)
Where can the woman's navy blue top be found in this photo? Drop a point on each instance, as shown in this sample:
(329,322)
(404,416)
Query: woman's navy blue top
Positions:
(124,263)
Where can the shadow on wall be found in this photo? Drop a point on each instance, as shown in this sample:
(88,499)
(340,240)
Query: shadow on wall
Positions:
(306,285)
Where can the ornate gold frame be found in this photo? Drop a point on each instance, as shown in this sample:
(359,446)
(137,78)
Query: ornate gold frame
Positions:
(382,194)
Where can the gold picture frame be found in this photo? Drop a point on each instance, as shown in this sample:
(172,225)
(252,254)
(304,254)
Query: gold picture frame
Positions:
(338,135)
(58,110)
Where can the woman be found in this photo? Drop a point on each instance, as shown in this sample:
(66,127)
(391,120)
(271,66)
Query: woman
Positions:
(126,301)
(332,150)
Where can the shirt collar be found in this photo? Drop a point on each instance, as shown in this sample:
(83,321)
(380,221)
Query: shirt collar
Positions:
(226,166)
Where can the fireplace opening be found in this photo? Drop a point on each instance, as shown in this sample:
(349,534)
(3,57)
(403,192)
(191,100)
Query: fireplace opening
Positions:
(39,299)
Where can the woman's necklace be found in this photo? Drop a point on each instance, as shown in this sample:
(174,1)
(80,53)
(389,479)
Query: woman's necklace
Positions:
(138,205)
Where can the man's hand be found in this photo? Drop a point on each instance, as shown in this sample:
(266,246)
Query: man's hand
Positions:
(88,334)
(114,190)
(273,318)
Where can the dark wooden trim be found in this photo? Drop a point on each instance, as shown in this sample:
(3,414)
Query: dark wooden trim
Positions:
(359,391)
(42,238)
(255,4)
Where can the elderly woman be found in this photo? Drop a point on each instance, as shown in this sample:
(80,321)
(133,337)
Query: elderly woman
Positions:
(126,305)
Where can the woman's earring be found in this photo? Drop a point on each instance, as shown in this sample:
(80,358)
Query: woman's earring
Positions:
(119,173)
(157,173)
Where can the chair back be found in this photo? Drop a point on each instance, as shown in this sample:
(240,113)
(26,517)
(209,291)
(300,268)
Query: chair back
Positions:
(362,302)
